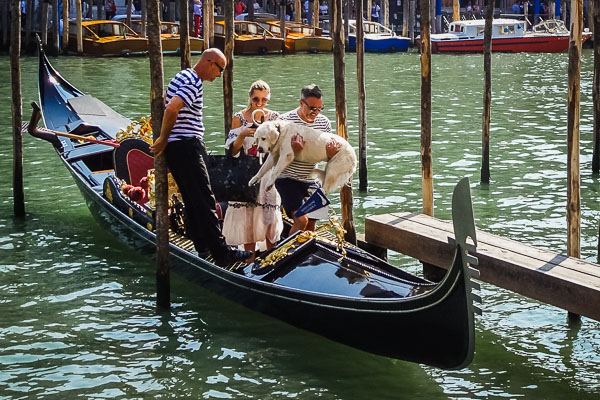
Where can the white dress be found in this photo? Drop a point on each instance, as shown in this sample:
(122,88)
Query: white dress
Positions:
(253,222)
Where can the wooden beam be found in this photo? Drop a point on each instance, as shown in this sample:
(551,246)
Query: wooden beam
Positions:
(16,108)
(426,160)
(65,32)
(362,100)
(184,34)
(487,93)
(566,282)
(228,12)
(163,280)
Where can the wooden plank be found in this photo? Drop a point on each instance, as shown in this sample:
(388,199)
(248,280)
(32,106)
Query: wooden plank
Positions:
(550,277)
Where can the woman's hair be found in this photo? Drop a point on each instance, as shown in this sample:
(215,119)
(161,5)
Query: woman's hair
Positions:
(258,85)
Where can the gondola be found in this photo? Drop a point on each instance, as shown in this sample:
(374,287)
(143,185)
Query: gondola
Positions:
(310,281)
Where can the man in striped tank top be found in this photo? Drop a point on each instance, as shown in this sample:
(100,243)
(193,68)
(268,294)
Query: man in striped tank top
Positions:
(180,139)
(296,182)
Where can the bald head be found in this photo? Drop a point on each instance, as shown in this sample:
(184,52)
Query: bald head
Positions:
(211,64)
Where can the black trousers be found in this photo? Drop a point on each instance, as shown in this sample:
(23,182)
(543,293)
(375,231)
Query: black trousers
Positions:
(186,164)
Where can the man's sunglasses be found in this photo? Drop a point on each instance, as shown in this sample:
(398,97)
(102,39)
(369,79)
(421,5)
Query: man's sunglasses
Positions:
(218,66)
(314,109)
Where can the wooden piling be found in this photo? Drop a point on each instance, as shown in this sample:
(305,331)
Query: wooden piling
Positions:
(573,101)
(211,18)
(172,11)
(405,12)
(346,6)
(5,22)
(368,10)
(184,34)
(128,12)
(282,20)
(163,290)
(55,28)
(228,72)
(44,22)
(298,9)
(596,90)
(65,32)
(385,9)
(16,108)
(411,20)
(207,25)
(316,13)
(362,103)
(339,76)
(426,161)
(144,19)
(487,92)
(78,27)
(455,10)
(28,24)
(250,9)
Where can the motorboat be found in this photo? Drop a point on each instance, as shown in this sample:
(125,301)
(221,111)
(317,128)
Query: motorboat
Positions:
(107,38)
(508,35)
(301,37)
(378,38)
(249,38)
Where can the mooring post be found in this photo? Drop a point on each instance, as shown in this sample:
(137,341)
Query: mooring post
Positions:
(144,18)
(368,10)
(163,280)
(385,13)
(426,162)
(65,33)
(44,22)
(250,9)
(596,89)
(487,92)
(208,24)
(346,22)
(455,10)
(5,22)
(573,100)
(184,34)
(29,8)
(78,27)
(316,13)
(362,103)
(282,19)
(339,76)
(172,11)
(16,108)
(211,18)
(228,73)
(298,9)
(55,28)
(412,10)
(405,12)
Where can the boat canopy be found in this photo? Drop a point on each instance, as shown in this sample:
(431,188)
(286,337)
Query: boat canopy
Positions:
(475,28)
(371,28)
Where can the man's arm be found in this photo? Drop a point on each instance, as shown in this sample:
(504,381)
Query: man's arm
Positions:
(169,119)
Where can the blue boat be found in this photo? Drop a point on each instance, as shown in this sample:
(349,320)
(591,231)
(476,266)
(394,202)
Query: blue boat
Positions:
(378,38)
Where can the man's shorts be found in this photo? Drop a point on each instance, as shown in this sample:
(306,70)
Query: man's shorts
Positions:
(293,193)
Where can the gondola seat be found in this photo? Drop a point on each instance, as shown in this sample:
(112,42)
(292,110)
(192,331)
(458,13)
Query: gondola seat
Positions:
(133,160)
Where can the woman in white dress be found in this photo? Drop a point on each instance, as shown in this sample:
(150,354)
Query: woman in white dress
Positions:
(250,223)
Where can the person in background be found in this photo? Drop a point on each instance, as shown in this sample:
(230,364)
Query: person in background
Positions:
(197,17)
(110,7)
(296,182)
(239,7)
(515,8)
(256,6)
(181,139)
(375,12)
(249,223)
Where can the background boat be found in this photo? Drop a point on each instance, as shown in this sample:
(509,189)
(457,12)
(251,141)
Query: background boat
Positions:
(301,37)
(169,32)
(508,35)
(378,38)
(249,37)
(107,38)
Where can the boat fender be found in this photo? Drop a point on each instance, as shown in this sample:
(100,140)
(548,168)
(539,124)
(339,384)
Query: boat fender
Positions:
(125,52)
(313,50)
(262,51)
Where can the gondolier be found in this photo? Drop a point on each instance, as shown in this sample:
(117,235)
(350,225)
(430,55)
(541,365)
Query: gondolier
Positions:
(181,140)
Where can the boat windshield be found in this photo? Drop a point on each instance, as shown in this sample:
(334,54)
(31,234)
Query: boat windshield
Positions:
(110,29)
(551,26)
(172,29)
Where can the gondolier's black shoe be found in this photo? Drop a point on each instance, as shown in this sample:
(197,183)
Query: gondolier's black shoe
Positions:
(231,256)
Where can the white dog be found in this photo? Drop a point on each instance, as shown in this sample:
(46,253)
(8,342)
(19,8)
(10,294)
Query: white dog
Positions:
(274,137)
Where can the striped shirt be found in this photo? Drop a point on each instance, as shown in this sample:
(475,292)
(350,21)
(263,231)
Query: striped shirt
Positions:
(188,87)
(302,170)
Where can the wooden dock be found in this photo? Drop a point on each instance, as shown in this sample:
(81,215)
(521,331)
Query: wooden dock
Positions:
(569,283)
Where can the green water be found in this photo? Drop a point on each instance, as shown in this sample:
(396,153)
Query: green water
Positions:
(77,312)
